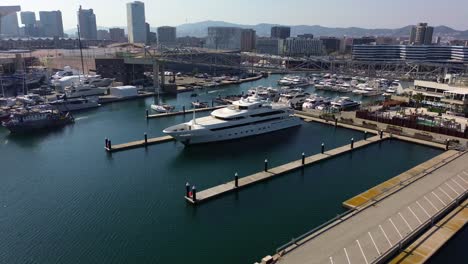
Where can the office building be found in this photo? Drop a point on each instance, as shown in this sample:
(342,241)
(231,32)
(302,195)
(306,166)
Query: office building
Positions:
(311,36)
(28,19)
(364,40)
(303,47)
(427,53)
(421,34)
(103,34)
(9,25)
(272,46)
(166,35)
(331,44)
(248,39)
(224,38)
(117,34)
(280,32)
(87,22)
(51,23)
(137,32)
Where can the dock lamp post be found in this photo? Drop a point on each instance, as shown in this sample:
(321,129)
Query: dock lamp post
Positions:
(236,180)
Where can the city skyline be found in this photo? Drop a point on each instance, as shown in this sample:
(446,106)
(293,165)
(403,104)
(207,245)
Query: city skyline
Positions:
(367,14)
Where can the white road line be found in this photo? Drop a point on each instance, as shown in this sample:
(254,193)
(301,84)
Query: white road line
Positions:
(406,222)
(439,198)
(433,206)
(373,242)
(461,178)
(362,252)
(450,197)
(347,257)
(395,228)
(465,173)
(331,260)
(452,188)
(417,218)
(459,185)
(428,216)
(383,231)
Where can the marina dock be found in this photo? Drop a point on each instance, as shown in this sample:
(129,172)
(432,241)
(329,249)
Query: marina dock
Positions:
(363,129)
(138,144)
(188,111)
(276,171)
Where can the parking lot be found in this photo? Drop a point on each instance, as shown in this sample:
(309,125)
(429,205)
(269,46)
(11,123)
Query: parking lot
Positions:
(371,245)
(370,234)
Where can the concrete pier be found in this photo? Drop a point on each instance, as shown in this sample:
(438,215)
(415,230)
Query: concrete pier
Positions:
(379,229)
(272,172)
(400,181)
(430,242)
(188,111)
(138,144)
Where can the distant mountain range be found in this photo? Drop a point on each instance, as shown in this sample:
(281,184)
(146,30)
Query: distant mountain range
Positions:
(199,29)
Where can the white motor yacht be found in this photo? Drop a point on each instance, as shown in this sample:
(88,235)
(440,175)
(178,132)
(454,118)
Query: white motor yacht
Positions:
(247,117)
(75,104)
(82,90)
(345,103)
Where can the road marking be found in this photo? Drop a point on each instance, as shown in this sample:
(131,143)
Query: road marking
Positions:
(452,188)
(406,222)
(383,231)
(347,257)
(465,173)
(417,218)
(362,252)
(433,206)
(395,228)
(373,242)
(439,198)
(428,216)
(331,260)
(461,187)
(450,197)
(462,179)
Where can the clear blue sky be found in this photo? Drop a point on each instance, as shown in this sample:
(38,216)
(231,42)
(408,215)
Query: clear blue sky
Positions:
(335,13)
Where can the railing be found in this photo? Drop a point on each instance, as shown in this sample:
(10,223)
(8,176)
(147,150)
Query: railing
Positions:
(294,241)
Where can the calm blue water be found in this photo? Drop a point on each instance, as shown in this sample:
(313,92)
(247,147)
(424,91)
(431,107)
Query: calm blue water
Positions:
(64,200)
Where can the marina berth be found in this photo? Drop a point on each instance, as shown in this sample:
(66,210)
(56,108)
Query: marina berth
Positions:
(247,117)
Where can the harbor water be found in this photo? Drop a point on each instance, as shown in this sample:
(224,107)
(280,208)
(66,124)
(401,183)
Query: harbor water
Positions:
(64,200)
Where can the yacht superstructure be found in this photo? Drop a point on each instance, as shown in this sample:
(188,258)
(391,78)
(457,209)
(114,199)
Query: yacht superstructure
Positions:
(247,117)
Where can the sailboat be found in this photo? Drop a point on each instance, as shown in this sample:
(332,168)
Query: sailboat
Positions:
(160,107)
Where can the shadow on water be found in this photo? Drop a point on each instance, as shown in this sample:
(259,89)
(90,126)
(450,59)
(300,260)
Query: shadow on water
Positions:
(34,139)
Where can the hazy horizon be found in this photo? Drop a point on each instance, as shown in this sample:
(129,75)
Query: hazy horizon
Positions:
(333,13)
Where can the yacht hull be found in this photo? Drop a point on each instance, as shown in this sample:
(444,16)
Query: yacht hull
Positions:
(208,136)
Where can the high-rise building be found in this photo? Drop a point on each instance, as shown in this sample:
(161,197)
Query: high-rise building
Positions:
(103,34)
(421,34)
(51,23)
(117,34)
(136,22)
(248,39)
(364,40)
(87,22)
(280,32)
(224,38)
(272,46)
(311,36)
(166,35)
(331,44)
(303,47)
(150,36)
(28,19)
(9,25)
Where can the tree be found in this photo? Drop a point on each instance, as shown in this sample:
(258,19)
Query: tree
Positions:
(418,98)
